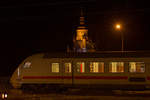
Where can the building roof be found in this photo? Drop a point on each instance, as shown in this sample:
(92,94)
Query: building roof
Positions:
(107,54)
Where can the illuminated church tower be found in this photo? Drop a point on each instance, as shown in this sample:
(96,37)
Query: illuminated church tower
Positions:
(81,41)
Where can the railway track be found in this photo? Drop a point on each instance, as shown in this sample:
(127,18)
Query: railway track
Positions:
(15,94)
(70,94)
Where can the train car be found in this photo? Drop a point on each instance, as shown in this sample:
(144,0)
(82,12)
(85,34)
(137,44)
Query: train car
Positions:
(112,70)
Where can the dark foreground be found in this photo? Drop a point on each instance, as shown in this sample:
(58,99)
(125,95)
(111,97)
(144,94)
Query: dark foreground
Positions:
(80,95)
(70,94)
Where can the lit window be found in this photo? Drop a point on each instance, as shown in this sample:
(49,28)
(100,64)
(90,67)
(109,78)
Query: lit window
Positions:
(96,67)
(80,67)
(55,67)
(115,67)
(27,65)
(137,67)
(67,67)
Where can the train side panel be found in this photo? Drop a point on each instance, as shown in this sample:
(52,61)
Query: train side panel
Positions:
(40,72)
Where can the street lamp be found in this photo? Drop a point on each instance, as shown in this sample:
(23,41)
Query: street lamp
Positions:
(118,27)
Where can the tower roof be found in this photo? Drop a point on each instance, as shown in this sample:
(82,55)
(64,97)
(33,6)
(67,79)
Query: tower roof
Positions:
(82,21)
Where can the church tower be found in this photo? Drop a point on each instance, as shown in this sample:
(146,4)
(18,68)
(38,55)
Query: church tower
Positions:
(81,41)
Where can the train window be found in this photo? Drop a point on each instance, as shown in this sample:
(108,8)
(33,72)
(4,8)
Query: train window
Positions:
(55,67)
(116,67)
(96,67)
(67,67)
(137,67)
(27,64)
(80,67)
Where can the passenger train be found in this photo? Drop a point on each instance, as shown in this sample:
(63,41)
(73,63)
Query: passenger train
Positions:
(113,70)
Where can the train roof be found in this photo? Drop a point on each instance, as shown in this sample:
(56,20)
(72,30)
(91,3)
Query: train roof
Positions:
(108,54)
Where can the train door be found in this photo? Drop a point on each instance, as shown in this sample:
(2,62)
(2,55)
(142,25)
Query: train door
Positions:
(137,72)
(80,75)
(67,72)
(56,72)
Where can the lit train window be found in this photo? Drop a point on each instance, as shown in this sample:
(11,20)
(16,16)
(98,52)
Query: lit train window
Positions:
(55,67)
(137,67)
(27,64)
(80,67)
(116,67)
(96,67)
(67,67)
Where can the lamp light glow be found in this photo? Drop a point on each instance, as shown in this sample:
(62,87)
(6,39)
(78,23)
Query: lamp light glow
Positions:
(118,26)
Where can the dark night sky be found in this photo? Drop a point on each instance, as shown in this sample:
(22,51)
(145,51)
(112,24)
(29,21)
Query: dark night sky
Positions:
(33,26)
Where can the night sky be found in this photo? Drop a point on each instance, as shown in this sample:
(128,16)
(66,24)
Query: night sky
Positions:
(33,26)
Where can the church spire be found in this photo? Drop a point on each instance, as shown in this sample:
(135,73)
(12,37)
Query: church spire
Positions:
(82,18)
(81,42)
